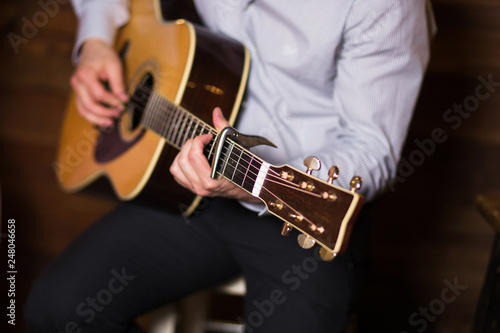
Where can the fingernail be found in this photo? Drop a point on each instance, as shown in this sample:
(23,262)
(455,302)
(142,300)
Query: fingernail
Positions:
(108,123)
(218,112)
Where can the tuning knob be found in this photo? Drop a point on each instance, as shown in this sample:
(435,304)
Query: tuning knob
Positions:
(333,174)
(305,242)
(312,163)
(326,255)
(286,230)
(277,205)
(356,183)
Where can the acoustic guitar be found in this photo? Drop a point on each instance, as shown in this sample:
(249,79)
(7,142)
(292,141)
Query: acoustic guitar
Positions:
(177,73)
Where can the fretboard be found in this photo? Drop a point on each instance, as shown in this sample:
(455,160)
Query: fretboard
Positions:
(178,125)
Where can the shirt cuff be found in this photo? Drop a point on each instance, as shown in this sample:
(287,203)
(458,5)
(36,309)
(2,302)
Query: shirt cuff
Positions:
(96,23)
(256,207)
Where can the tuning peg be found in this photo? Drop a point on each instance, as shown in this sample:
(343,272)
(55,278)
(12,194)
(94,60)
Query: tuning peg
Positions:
(312,163)
(305,242)
(333,174)
(327,255)
(296,217)
(277,205)
(286,230)
(356,183)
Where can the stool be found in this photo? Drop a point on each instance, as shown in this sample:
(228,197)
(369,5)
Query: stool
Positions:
(487,318)
(190,315)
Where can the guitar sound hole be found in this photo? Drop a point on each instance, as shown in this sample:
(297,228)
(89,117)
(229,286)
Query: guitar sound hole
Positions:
(140,99)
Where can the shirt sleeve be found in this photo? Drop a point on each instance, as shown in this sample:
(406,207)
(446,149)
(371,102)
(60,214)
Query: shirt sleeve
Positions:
(99,19)
(380,67)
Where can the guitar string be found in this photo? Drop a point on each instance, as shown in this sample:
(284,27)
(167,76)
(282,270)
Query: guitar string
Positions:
(291,208)
(183,133)
(139,99)
(228,154)
(211,131)
(145,92)
(145,97)
(142,99)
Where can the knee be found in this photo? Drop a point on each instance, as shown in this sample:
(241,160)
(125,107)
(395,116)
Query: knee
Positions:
(48,309)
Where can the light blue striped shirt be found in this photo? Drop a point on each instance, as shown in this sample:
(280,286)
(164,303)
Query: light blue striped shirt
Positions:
(337,79)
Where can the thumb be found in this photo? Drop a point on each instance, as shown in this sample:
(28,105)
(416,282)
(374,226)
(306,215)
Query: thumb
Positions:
(116,81)
(219,121)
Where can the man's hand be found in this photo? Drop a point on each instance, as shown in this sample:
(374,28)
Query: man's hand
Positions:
(99,63)
(191,169)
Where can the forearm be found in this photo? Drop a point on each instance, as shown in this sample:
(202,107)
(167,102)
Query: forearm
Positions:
(99,19)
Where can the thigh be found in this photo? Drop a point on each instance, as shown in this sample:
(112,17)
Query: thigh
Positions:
(129,262)
(290,289)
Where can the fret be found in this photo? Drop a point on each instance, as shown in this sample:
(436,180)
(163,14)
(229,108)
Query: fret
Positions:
(247,169)
(203,129)
(158,122)
(211,145)
(153,112)
(171,128)
(228,161)
(177,126)
(161,116)
(237,164)
(188,129)
(251,176)
(231,163)
(168,119)
(167,126)
(148,111)
(194,129)
(243,169)
(157,101)
(181,126)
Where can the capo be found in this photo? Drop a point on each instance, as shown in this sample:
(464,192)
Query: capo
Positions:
(247,141)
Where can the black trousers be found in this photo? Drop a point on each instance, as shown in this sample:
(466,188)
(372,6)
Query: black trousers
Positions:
(138,258)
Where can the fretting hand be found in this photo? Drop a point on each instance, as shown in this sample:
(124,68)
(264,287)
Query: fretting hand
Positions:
(191,169)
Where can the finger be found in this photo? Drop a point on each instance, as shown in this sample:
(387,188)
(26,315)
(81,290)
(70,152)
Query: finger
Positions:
(91,116)
(96,89)
(116,82)
(196,157)
(90,109)
(219,121)
(179,176)
(191,168)
(207,186)
(181,168)
(90,103)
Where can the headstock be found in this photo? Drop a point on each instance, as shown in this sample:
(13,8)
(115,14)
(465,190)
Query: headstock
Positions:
(322,212)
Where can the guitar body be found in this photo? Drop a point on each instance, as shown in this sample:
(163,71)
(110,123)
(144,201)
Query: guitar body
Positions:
(184,63)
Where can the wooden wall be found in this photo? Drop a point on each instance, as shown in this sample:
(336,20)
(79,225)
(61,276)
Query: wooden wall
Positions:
(427,229)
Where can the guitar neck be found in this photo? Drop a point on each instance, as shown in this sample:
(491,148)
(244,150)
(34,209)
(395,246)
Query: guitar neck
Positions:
(178,125)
